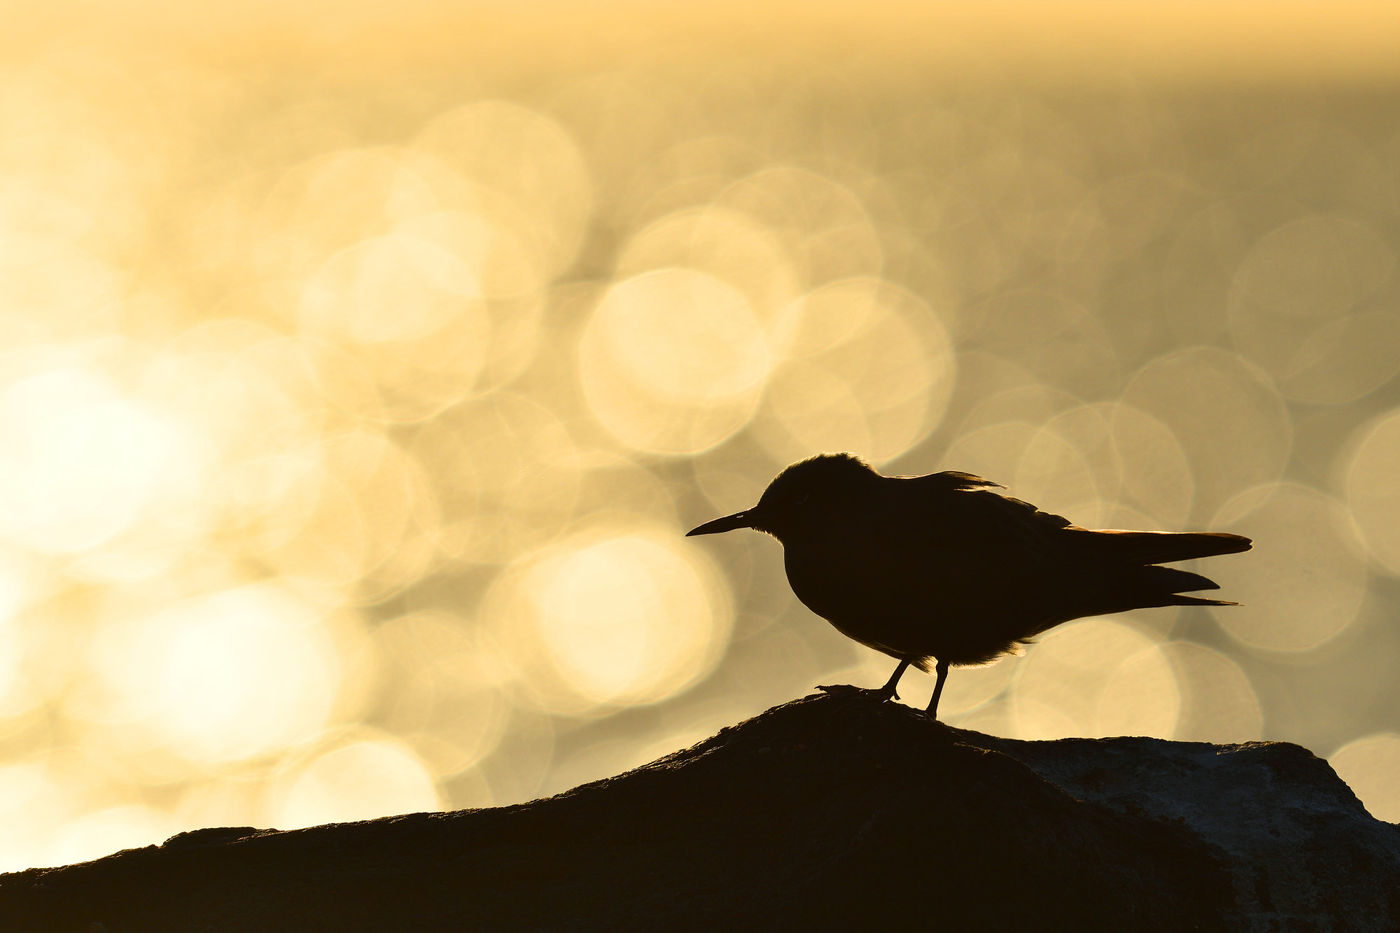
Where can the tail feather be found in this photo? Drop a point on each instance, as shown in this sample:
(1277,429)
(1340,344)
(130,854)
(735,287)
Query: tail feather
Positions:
(1160,547)
(1179,600)
(1164,586)
(1172,580)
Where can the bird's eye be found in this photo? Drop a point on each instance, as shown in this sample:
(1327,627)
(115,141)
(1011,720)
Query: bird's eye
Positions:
(802,499)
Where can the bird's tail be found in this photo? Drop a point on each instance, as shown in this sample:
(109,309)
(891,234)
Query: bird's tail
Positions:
(1178,600)
(1163,547)
(1167,585)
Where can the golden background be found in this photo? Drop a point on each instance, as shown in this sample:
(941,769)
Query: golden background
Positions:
(361,368)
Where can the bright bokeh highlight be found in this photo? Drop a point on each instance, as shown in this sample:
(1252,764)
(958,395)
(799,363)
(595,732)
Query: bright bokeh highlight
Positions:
(221,677)
(354,779)
(673,361)
(1373,489)
(1307,585)
(1369,765)
(610,617)
(1095,677)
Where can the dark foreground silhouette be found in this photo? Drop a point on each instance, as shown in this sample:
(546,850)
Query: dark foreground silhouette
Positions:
(944,568)
(830,812)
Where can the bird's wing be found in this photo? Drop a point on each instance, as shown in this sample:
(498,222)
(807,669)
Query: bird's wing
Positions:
(968,525)
(1007,517)
(951,480)
(968,563)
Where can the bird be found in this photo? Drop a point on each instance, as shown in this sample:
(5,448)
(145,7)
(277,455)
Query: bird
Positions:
(948,569)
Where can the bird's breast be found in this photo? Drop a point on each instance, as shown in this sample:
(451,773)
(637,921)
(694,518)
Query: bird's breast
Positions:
(856,586)
(911,596)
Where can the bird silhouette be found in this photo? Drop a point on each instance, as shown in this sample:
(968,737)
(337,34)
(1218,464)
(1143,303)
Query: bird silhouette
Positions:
(944,568)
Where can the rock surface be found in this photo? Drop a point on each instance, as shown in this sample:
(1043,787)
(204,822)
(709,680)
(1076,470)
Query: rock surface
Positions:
(828,812)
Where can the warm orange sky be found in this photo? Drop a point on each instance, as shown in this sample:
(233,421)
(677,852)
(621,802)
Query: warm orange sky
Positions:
(1354,40)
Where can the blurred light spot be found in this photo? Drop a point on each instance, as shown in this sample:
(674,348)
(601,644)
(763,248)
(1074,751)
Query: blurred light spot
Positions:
(390,288)
(32,805)
(21,677)
(1156,473)
(1015,197)
(241,389)
(357,779)
(867,368)
(438,686)
(673,361)
(993,452)
(993,718)
(983,375)
(367,518)
(1369,765)
(413,311)
(1055,475)
(1226,415)
(17,695)
(81,460)
(690,725)
(338,199)
(823,227)
(1310,267)
(55,290)
(1296,308)
(608,620)
(507,476)
(1218,703)
(1141,696)
(531,170)
(975,686)
(625,490)
(610,616)
(245,405)
(1071,466)
(1373,489)
(1305,579)
(1051,335)
(84,124)
(1031,402)
(1137,207)
(592,762)
(694,170)
(725,244)
(468,790)
(1198,268)
(511,283)
(517,770)
(222,677)
(222,800)
(103,832)
(1094,677)
(424,272)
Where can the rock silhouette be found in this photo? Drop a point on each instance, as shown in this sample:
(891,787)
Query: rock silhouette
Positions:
(832,811)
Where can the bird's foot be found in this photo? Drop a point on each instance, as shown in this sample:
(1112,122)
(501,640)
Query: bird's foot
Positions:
(879,694)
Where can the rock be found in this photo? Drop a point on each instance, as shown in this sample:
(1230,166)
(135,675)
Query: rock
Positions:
(828,812)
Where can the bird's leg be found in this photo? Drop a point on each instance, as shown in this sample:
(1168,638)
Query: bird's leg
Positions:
(941,668)
(881,694)
(888,691)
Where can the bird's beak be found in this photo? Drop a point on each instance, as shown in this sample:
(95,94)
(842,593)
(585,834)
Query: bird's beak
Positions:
(742,519)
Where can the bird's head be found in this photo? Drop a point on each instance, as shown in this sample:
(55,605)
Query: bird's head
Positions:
(806,496)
